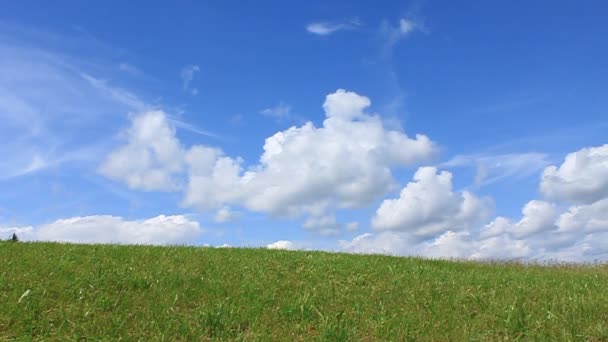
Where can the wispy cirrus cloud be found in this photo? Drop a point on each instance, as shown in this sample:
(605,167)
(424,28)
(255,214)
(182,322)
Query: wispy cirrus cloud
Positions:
(57,107)
(391,34)
(492,168)
(281,111)
(325,28)
(187,75)
(46,104)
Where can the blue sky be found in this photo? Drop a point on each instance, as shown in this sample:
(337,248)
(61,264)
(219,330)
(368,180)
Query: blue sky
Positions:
(156,123)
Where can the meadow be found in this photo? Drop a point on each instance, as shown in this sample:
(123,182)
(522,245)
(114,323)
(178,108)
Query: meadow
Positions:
(51,291)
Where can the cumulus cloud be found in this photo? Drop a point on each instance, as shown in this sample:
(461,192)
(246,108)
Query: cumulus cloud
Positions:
(449,244)
(538,217)
(430,219)
(545,231)
(187,75)
(282,244)
(159,230)
(582,178)
(304,170)
(428,206)
(152,159)
(390,243)
(585,218)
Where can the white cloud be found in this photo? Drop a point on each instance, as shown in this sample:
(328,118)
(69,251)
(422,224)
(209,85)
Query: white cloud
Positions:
(460,245)
(152,159)
(282,244)
(582,178)
(391,243)
(281,111)
(327,28)
(303,170)
(428,206)
(497,227)
(449,245)
(538,217)
(158,230)
(225,214)
(187,75)
(501,247)
(23,233)
(307,169)
(545,231)
(585,218)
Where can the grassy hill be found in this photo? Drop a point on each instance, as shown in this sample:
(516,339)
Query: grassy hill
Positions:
(59,292)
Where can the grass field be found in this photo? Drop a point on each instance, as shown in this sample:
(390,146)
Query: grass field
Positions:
(69,292)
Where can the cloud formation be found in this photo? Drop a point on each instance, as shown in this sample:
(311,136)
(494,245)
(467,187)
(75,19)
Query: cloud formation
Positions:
(308,169)
(279,112)
(324,28)
(282,244)
(305,170)
(428,206)
(187,75)
(46,103)
(491,168)
(582,177)
(406,26)
(152,159)
(391,34)
(575,228)
(159,230)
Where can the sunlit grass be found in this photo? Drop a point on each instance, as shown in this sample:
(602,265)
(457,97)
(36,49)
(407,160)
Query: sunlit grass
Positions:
(187,293)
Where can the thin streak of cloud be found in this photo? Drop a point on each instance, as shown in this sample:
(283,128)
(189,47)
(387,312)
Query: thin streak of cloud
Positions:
(192,128)
(325,28)
(187,75)
(118,94)
(492,168)
(281,111)
(390,34)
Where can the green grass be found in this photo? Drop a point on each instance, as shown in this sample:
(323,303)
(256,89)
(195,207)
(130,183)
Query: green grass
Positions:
(105,292)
